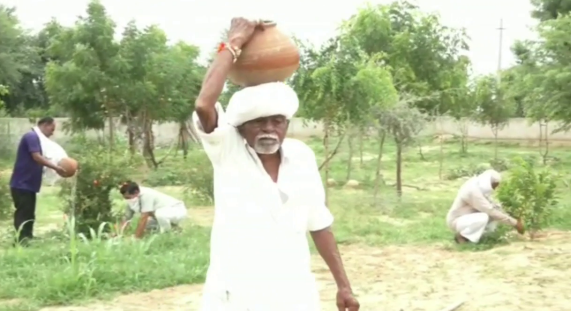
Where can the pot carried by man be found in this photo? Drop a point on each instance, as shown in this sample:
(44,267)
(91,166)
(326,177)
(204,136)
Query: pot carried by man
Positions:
(268,190)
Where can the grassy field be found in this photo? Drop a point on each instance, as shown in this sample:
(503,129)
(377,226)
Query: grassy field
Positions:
(398,252)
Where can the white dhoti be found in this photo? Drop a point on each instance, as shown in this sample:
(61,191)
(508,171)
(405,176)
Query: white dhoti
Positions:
(170,215)
(473,226)
(272,297)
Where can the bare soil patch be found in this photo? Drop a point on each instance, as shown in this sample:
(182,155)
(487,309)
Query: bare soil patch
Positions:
(526,276)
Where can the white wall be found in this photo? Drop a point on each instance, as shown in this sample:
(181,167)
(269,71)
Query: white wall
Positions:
(165,134)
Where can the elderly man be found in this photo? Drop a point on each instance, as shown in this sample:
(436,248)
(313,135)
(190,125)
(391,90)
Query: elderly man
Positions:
(268,194)
(474,213)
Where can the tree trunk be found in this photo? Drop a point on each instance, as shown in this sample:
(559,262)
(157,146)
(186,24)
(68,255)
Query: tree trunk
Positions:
(326,148)
(361,133)
(441,157)
(463,136)
(543,141)
(350,156)
(378,175)
(111,133)
(422,158)
(132,145)
(399,169)
(183,137)
(495,132)
(148,144)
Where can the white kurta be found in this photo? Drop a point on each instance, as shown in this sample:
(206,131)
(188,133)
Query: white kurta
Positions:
(259,257)
(474,213)
(166,209)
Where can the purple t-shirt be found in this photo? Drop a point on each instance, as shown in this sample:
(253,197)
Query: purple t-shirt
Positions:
(27,173)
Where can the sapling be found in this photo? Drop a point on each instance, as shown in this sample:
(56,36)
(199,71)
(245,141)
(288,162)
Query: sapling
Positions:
(529,194)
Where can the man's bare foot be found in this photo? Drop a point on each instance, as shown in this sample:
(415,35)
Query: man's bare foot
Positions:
(460,239)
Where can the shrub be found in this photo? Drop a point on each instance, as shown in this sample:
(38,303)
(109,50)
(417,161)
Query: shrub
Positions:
(529,194)
(201,178)
(6,208)
(168,176)
(101,170)
(468,171)
(500,165)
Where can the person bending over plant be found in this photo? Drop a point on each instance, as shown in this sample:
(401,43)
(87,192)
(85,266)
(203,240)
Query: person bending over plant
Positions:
(474,213)
(158,210)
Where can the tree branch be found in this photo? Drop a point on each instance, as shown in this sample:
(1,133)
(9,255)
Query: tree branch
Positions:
(332,154)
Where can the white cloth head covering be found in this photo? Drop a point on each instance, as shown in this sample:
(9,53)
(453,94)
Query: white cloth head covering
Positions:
(486,179)
(264,100)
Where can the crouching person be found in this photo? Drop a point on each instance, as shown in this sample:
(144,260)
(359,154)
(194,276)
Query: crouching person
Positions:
(474,213)
(158,210)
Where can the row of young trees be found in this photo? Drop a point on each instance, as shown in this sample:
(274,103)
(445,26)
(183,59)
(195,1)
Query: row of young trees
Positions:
(390,68)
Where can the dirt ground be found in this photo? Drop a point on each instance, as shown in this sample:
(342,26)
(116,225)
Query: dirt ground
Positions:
(528,276)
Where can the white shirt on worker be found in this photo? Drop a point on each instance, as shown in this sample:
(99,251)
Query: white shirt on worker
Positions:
(166,209)
(151,200)
(259,253)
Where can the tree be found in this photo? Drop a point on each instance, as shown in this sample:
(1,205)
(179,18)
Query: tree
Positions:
(461,105)
(421,52)
(494,109)
(20,64)
(550,9)
(403,122)
(88,85)
(338,84)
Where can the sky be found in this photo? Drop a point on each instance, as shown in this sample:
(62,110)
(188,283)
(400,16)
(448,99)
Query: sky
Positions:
(201,22)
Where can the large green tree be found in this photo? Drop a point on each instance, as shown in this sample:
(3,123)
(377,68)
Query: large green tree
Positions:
(550,9)
(20,64)
(88,84)
(422,53)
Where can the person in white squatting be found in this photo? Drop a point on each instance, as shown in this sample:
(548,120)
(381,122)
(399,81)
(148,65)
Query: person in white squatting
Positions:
(474,213)
(267,192)
(158,210)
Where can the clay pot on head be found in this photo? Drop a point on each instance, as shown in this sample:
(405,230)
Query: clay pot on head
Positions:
(69,165)
(269,56)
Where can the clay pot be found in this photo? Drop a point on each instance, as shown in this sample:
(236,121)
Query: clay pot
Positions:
(69,165)
(269,56)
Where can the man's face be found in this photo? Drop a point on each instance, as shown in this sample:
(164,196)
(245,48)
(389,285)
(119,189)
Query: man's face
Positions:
(266,134)
(48,129)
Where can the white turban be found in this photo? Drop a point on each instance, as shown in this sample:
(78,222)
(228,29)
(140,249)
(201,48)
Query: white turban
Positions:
(486,179)
(264,100)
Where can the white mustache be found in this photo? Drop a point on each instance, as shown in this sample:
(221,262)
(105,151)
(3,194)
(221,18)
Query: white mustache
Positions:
(267,136)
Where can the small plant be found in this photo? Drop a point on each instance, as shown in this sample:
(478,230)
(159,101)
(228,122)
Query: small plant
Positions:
(529,194)
(6,208)
(200,179)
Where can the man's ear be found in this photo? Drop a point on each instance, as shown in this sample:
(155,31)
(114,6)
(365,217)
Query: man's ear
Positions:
(240,129)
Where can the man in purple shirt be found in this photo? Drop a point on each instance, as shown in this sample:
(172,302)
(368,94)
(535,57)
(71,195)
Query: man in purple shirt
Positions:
(26,178)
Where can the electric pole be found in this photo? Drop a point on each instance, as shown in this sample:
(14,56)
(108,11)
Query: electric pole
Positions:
(501,29)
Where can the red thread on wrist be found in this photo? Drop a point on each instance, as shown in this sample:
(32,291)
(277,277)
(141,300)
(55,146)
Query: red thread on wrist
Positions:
(221,47)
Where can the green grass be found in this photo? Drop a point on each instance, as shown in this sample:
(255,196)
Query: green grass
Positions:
(45,273)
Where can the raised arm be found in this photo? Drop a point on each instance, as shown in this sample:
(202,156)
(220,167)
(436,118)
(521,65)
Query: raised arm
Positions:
(240,32)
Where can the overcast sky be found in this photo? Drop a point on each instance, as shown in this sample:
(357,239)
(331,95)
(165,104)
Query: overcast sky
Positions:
(201,22)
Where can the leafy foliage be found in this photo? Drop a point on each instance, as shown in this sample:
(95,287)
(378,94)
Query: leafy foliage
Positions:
(6,208)
(87,196)
(529,194)
(423,55)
